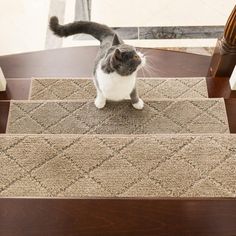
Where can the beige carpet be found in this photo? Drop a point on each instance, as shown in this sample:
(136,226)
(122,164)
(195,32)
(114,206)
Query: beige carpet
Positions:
(160,116)
(50,89)
(63,146)
(103,165)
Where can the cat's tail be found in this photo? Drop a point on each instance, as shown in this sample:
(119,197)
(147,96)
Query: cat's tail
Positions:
(98,31)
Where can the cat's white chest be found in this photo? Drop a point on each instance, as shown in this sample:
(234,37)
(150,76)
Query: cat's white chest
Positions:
(115,87)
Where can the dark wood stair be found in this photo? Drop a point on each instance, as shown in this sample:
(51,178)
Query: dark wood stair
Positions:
(188,216)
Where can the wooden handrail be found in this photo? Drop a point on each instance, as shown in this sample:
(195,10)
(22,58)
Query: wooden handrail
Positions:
(224,56)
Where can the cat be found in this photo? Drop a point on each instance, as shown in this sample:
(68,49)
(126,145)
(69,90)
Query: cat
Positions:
(116,63)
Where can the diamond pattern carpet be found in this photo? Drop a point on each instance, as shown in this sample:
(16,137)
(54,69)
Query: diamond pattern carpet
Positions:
(160,116)
(58,144)
(58,89)
(108,165)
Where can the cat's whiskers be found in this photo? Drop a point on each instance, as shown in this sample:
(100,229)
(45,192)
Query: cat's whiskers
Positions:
(146,68)
(142,70)
(149,69)
(151,65)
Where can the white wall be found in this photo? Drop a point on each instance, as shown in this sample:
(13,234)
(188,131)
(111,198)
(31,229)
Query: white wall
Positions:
(23,25)
(161,12)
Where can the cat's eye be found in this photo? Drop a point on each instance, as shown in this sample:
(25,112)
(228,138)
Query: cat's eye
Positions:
(136,57)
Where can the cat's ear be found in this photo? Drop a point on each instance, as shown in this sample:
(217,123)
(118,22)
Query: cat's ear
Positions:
(118,54)
(116,40)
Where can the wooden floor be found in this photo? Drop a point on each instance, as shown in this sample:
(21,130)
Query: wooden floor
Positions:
(21,217)
(78,61)
(117,217)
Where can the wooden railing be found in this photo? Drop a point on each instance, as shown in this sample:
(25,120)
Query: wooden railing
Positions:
(224,57)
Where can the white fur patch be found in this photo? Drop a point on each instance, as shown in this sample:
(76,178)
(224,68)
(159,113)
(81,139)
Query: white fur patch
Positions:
(139,105)
(100,101)
(114,86)
(143,60)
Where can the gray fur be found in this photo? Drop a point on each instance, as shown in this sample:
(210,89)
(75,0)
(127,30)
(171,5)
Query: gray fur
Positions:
(114,55)
(134,96)
(98,31)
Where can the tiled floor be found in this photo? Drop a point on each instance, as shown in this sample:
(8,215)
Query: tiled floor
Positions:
(24,23)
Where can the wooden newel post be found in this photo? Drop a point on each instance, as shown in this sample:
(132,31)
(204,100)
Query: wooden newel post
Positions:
(224,57)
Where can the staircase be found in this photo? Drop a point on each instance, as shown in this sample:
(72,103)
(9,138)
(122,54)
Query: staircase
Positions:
(67,168)
(57,144)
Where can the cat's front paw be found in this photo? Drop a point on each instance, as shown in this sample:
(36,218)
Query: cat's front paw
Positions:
(138,105)
(100,103)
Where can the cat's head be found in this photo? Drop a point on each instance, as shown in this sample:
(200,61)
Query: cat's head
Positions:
(125,59)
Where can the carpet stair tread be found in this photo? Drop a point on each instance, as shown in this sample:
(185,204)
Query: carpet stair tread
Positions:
(164,165)
(82,117)
(149,88)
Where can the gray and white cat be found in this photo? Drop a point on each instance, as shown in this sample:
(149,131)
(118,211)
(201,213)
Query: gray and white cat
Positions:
(116,64)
